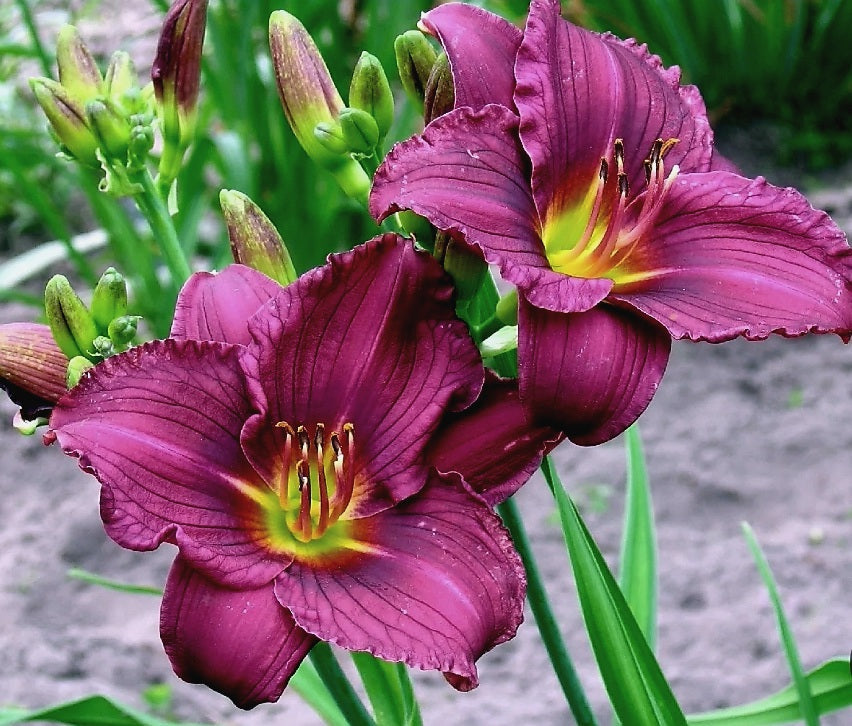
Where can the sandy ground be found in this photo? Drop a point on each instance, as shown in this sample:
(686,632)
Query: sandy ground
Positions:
(755,432)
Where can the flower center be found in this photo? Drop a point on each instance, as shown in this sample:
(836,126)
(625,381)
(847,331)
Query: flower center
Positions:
(314,490)
(611,231)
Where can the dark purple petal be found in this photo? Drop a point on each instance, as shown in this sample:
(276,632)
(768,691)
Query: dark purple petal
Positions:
(481,48)
(590,374)
(732,256)
(578,91)
(241,643)
(370,339)
(217,307)
(159,427)
(437,585)
(492,444)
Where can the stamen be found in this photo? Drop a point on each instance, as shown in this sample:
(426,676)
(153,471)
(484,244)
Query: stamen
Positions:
(304,523)
(604,171)
(322,525)
(286,457)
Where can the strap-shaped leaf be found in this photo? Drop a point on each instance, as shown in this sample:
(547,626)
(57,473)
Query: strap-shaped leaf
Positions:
(636,686)
(89,711)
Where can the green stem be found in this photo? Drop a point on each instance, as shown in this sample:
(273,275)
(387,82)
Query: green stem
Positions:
(339,686)
(545,619)
(43,58)
(156,213)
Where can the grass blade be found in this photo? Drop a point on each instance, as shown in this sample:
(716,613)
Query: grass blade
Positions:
(89,711)
(808,710)
(313,691)
(94,579)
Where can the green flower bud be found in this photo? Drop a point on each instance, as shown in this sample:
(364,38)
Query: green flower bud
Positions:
(78,72)
(466,267)
(440,93)
(111,128)
(254,240)
(67,119)
(176,73)
(330,135)
(371,92)
(415,57)
(122,330)
(77,367)
(102,347)
(309,98)
(70,322)
(359,130)
(109,300)
(507,308)
(120,76)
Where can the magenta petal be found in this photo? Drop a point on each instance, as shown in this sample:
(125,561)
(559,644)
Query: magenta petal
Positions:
(481,48)
(241,643)
(492,444)
(578,91)
(159,427)
(370,339)
(216,306)
(590,374)
(439,585)
(732,256)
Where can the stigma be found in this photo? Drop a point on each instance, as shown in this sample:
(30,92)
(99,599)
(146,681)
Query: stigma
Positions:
(318,478)
(615,222)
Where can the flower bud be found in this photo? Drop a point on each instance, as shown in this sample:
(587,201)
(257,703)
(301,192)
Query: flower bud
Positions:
(360,131)
(466,267)
(122,330)
(330,136)
(111,129)
(371,92)
(78,72)
(415,57)
(70,322)
(120,76)
(32,367)
(309,98)
(109,301)
(102,347)
(440,94)
(176,73)
(77,366)
(254,240)
(67,119)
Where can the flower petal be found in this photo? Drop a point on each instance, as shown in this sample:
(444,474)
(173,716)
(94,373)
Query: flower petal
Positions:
(241,643)
(370,339)
(439,584)
(468,175)
(590,374)
(578,91)
(732,256)
(159,427)
(492,444)
(215,306)
(481,48)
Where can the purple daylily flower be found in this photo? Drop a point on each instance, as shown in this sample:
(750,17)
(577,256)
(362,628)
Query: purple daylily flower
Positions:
(587,173)
(317,468)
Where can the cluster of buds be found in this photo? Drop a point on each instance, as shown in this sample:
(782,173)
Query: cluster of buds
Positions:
(88,334)
(425,74)
(98,120)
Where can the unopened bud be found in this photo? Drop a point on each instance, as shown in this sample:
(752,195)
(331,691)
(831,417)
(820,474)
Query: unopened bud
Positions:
(67,119)
(120,76)
(111,128)
(466,267)
(102,347)
(254,240)
(371,92)
(77,366)
(122,330)
(70,322)
(330,136)
(360,130)
(440,94)
(109,300)
(31,362)
(415,57)
(507,308)
(78,72)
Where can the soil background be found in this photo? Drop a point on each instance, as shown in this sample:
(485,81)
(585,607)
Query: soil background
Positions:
(756,432)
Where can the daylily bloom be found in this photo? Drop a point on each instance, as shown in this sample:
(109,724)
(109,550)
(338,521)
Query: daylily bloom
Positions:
(579,164)
(314,452)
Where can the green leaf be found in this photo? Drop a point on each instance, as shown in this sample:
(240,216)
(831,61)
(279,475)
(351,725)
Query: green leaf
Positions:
(638,560)
(636,686)
(389,690)
(94,579)
(308,684)
(89,711)
(829,685)
(808,710)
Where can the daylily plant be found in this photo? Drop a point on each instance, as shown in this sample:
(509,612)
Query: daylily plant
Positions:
(580,166)
(325,458)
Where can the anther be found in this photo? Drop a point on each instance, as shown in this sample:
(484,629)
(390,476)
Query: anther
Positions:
(604,171)
(304,440)
(623,184)
(619,155)
(319,437)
